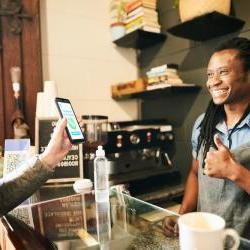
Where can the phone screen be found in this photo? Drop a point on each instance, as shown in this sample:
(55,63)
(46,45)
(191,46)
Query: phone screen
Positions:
(73,127)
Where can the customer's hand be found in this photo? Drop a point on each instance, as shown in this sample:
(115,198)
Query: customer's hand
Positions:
(58,146)
(170,226)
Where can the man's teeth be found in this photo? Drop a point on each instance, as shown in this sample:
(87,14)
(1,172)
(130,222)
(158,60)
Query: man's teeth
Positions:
(218,92)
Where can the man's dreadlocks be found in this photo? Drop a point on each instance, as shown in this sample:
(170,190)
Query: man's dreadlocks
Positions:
(216,113)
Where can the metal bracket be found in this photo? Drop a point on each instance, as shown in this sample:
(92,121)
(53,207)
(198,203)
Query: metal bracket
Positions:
(13,10)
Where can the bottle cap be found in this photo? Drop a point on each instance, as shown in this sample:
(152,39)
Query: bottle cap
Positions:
(100,151)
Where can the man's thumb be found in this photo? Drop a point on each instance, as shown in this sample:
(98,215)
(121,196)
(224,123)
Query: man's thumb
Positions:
(219,143)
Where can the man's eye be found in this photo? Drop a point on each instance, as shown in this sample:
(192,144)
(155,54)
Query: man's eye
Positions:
(210,74)
(223,72)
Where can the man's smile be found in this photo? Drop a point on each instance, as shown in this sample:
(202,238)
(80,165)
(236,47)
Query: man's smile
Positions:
(219,92)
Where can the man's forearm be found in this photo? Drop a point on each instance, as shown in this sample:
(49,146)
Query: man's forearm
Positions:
(240,176)
(189,202)
(242,153)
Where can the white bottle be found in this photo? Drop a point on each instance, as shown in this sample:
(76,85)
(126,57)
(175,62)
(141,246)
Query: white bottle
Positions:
(101,176)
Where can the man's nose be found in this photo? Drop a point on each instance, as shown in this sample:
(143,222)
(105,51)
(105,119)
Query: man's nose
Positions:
(214,80)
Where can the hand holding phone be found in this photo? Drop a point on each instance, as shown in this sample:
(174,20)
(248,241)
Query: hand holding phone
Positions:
(73,128)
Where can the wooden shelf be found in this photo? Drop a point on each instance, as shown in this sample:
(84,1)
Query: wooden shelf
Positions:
(140,39)
(157,93)
(207,26)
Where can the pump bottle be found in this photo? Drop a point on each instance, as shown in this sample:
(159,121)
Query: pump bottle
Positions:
(101,176)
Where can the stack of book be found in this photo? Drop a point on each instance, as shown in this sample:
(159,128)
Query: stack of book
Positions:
(163,76)
(142,14)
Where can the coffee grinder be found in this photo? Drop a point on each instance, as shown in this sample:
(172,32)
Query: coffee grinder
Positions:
(95,131)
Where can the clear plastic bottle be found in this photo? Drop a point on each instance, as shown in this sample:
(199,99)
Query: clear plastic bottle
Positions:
(101,176)
(103,224)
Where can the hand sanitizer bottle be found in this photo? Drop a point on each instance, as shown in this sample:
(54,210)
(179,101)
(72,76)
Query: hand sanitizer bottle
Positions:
(101,176)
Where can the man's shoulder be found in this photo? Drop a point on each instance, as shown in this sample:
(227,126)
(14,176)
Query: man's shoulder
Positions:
(198,120)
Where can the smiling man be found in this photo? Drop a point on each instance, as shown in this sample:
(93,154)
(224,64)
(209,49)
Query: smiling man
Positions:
(217,183)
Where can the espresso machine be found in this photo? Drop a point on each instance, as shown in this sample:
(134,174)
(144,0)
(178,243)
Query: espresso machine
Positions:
(139,155)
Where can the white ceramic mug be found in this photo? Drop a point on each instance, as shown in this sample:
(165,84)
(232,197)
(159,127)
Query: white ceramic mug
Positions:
(204,231)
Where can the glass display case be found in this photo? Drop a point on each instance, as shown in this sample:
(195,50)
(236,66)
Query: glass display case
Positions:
(77,222)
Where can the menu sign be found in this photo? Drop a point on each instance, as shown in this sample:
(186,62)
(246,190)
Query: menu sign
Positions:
(62,219)
(70,168)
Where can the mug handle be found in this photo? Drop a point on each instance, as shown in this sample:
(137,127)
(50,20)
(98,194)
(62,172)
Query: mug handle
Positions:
(232,233)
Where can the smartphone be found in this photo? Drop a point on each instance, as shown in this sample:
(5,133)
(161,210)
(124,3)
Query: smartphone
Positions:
(73,128)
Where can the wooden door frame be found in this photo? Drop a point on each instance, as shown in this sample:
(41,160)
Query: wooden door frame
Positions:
(22,50)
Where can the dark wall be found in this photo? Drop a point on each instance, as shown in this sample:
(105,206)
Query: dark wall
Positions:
(192,58)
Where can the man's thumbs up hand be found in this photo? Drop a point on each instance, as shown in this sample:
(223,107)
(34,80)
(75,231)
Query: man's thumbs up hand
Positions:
(220,146)
(218,163)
